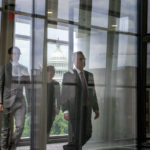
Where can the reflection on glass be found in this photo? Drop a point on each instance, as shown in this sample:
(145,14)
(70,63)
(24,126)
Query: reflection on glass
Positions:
(78,100)
(24,44)
(98,41)
(58,57)
(25,57)
(126,60)
(113,82)
(100,13)
(24,6)
(27,6)
(58,34)
(127,45)
(69,12)
(53,100)
(99,19)
(123,113)
(124,63)
(110,62)
(129,11)
(15,77)
(127,51)
(124,19)
(38,103)
(40,7)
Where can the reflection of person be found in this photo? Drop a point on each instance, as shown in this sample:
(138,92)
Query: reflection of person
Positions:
(79,98)
(13,77)
(53,98)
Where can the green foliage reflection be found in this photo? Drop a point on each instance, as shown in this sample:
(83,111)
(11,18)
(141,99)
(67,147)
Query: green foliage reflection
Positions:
(60,126)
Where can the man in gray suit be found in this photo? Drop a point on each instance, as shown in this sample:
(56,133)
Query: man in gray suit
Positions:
(13,77)
(79,99)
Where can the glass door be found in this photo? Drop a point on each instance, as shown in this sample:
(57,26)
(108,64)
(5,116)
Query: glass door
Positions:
(51,35)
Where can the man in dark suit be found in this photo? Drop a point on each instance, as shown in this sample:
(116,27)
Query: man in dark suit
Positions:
(53,98)
(79,99)
(13,77)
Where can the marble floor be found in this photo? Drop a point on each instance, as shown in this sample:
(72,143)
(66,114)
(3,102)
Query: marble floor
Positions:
(90,146)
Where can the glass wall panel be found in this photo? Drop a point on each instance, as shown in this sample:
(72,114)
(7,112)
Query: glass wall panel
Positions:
(125,60)
(38,103)
(113,64)
(24,5)
(16,57)
(148,93)
(89,98)
(100,13)
(124,126)
(22,39)
(128,17)
(98,48)
(40,7)
(59,33)
(123,15)
(22,25)
(57,59)
(27,6)
(69,12)
(24,45)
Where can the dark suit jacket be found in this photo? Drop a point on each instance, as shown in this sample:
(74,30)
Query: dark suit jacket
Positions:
(72,93)
(53,98)
(53,102)
(10,88)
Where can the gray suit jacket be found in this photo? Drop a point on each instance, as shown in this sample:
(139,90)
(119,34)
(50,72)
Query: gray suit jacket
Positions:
(12,87)
(72,93)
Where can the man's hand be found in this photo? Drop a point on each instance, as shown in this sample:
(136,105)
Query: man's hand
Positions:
(66,116)
(1,108)
(96,114)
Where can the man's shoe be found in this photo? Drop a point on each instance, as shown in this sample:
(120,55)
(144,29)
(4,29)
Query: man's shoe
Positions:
(70,147)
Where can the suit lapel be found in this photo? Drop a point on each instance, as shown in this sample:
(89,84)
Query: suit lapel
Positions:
(86,76)
(9,71)
(77,78)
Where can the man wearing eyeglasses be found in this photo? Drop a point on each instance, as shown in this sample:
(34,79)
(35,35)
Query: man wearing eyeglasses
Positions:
(13,77)
(78,101)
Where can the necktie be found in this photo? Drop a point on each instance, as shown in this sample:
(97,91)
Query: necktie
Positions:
(84,88)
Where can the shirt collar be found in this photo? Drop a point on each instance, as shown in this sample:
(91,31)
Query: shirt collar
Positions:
(77,69)
(14,64)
